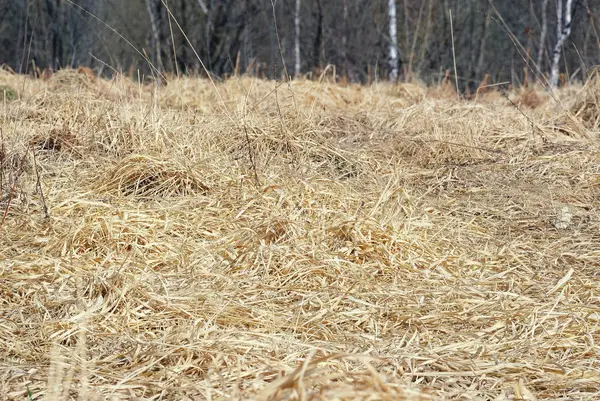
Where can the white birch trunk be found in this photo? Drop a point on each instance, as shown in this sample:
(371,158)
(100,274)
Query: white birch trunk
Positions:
(393,41)
(297,39)
(563,31)
(202,5)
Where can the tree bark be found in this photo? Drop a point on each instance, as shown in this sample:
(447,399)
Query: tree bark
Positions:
(54,16)
(153,7)
(297,39)
(345,40)
(425,42)
(563,31)
(482,44)
(319,38)
(406,28)
(544,31)
(21,45)
(202,5)
(393,50)
(208,34)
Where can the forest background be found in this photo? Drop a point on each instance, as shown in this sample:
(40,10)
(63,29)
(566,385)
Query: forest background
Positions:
(506,40)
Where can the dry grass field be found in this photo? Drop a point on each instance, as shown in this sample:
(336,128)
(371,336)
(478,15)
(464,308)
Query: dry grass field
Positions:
(310,241)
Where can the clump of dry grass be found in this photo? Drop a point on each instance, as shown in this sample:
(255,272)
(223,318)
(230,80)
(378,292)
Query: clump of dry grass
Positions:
(58,140)
(71,80)
(585,107)
(145,176)
(8,94)
(324,243)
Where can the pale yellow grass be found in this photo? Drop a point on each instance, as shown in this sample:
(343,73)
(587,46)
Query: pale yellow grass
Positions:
(323,243)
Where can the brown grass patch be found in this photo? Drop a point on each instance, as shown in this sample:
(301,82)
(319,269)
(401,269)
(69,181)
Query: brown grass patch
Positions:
(58,140)
(146,176)
(324,243)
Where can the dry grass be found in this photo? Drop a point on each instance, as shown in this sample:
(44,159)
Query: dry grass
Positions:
(343,243)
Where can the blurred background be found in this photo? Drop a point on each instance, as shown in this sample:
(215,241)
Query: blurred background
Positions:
(251,36)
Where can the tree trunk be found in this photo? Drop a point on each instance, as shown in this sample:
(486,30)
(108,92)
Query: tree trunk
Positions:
(393,41)
(411,58)
(345,40)
(425,42)
(183,58)
(22,44)
(210,28)
(482,44)
(74,37)
(247,40)
(297,39)
(202,5)
(153,7)
(90,5)
(544,31)
(319,38)
(406,28)
(471,11)
(55,34)
(563,31)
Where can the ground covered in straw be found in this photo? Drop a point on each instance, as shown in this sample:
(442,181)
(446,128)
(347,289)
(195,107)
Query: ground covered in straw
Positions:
(256,240)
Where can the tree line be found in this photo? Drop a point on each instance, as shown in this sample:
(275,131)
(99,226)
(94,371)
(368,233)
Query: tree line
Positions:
(358,40)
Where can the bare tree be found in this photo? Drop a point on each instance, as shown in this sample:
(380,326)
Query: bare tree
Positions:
(425,42)
(154,11)
(319,41)
(563,31)
(393,40)
(544,31)
(297,39)
(56,37)
(345,40)
(354,34)
(202,5)
(483,43)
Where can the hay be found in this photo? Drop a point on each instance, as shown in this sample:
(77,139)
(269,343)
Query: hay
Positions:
(324,243)
(585,107)
(144,176)
(8,94)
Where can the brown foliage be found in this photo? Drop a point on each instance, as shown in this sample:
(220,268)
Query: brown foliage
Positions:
(58,139)
(87,71)
(46,74)
(483,87)
(531,98)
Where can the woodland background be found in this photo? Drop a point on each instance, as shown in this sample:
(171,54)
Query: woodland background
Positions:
(353,35)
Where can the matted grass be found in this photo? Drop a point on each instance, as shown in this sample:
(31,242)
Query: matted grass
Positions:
(323,243)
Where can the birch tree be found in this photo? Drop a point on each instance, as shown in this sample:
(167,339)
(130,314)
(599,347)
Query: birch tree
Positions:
(563,32)
(354,35)
(393,41)
(297,39)
(202,5)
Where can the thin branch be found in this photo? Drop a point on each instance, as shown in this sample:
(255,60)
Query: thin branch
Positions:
(454,55)
(38,183)
(202,5)
(13,188)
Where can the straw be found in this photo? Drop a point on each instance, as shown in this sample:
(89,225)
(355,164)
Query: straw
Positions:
(397,243)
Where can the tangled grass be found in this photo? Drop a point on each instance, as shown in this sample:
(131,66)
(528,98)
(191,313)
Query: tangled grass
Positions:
(316,242)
